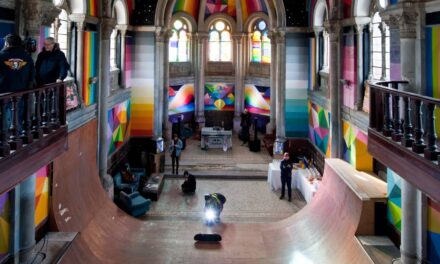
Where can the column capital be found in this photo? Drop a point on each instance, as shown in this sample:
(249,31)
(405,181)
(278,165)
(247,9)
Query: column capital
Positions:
(107,26)
(39,13)
(334,30)
(163,34)
(408,23)
(122,28)
(238,37)
(277,36)
(201,37)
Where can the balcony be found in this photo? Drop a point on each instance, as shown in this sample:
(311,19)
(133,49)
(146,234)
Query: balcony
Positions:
(39,138)
(402,134)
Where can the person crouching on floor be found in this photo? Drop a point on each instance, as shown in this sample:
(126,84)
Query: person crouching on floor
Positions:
(189,185)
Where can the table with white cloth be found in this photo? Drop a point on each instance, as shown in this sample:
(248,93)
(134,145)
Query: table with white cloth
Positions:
(300,179)
(216,138)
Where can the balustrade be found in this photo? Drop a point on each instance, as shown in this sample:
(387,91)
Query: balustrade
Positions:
(417,130)
(30,115)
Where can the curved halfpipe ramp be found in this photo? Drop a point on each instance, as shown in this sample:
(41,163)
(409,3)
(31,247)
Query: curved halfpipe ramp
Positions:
(323,232)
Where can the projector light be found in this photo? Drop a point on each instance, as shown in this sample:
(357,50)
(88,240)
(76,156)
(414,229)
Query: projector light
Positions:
(210,215)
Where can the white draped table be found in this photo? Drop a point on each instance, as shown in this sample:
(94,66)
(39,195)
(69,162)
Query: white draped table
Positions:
(299,180)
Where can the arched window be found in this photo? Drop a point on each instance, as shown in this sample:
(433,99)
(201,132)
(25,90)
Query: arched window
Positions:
(260,43)
(179,42)
(113,51)
(220,44)
(380,49)
(59,31)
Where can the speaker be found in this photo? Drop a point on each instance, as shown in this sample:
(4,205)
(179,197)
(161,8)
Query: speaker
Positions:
(208,237)
(255,145)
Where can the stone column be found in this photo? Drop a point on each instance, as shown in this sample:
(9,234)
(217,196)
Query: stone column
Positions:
(80,23)
(166,75)
(27,219)
(360,65)
(159,81)
(273,94)
(318,31)
(202,39)
(407,20)
(239,87)
(334,30)
(123,30)
(106,27)
(281,85)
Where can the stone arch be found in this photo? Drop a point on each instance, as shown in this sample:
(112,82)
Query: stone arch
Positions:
(320,13)
(78,6)
(220,16)
(192,24)
(249,23)
(361,8)
(120,12)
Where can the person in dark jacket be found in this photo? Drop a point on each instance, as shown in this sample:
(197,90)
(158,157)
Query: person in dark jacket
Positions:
(286,176)
(245,126)
(189,185)
(51,63)
(17,72)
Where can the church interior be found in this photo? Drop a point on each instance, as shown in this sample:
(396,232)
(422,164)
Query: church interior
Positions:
(91,166)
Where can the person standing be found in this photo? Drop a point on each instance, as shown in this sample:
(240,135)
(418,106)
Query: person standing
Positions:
(286,176)
(17,73)
(51,63)
(175,149)
(245,126)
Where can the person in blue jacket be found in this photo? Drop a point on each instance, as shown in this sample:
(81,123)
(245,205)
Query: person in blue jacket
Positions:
(175,149)
(51,63)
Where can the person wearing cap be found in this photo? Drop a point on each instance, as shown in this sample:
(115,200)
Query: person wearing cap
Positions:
(286,176)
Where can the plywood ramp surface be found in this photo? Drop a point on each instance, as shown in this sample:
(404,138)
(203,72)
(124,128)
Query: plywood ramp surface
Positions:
(323,232)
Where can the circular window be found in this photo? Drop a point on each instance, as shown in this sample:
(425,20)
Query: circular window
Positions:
(178,24)
(220,26)
(262,25)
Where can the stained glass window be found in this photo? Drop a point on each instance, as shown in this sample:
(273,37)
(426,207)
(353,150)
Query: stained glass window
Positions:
(260,43)
(179,42)
(220,42)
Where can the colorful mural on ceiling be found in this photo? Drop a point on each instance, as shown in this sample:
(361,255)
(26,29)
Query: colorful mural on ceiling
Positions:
(220,6)
(118,126)
(5,225)
(319,128)
(92,8)
(355,148)
(41,196)
(251,6)
(394,210)
(189,6)
(433,231)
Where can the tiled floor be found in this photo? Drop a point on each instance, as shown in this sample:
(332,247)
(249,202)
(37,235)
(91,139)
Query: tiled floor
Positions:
(247,201)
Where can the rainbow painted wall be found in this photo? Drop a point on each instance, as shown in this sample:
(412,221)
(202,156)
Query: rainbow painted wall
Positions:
(118,126)
(129,41)
(92,7)
(394,206)
(90,57)
(297,84)
(220,6)
(433,235)
(5,225)
(349,69)
(319,128)
(142,84)
(432,56)
(251,6)
(189,6)
(355,147)
(41,196)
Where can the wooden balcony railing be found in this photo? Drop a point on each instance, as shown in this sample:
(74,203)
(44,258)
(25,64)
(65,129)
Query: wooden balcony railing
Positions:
(404,123)
(32,122)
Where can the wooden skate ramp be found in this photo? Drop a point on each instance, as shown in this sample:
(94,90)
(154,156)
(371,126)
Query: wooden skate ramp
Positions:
(322,232)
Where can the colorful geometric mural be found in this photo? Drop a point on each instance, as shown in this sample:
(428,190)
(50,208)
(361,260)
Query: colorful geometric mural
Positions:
(394,187)
(433,232)
(118,126)
(251,6)
(319,128)
(219,97)
(142,84)
(257,99)
(181,102)
(189,6)
(297,84)
(433,66)
(349,71)
(5,222)
(220,6)
(90,57)
(355,148)
(41,195)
